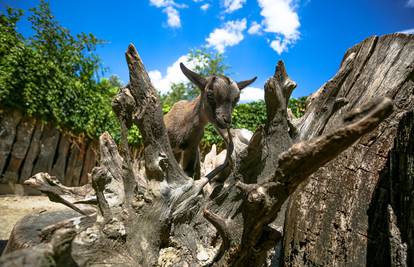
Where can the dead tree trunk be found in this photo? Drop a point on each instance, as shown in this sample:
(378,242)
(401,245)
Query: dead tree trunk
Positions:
(161,217)
(363,215)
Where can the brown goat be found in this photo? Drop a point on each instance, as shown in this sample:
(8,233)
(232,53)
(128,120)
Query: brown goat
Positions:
(187,119)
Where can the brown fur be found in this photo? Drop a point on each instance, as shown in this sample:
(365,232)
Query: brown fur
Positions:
(185,125)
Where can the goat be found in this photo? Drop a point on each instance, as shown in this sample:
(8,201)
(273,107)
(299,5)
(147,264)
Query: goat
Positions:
(186,120)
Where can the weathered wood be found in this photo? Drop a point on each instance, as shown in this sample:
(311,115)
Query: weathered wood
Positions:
(390,225)
(261,157)
(32,154)
(19,150)
(57,252)
(147,115)
(26,232)
(9,122)
(30,146)
(68,196)
(48,145)
(343,220)
(59,167)
(89,163)
(75,163)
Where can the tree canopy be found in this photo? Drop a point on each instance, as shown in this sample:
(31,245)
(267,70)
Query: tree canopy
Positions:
(54,75)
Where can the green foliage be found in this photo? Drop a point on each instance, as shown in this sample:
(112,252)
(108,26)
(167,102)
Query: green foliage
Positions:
(12,49)
(247,116)
(178,91)
(53,75)
(134,136)
(206,63)
(209,63)
(298,106)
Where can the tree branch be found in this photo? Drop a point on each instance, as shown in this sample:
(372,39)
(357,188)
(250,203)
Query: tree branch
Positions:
(148,117)
(304,158)
(277,92)
(59,193)
(222,228)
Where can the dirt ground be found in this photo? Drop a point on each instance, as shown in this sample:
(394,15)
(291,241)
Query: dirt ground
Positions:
(13,208)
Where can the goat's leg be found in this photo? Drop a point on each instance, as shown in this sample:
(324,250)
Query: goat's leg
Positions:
(197,166)
(179,157)
(191,161)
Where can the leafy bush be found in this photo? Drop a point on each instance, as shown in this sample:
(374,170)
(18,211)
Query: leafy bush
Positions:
(249,116)
(53,75)
(297,106)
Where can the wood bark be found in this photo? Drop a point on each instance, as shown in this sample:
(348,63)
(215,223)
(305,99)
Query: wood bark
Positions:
(8,126)
(161,217)
(32,154)
(89,163)
(20,148)
(345,220)
(48,144)
(75,163)
(59,167)
(29,146)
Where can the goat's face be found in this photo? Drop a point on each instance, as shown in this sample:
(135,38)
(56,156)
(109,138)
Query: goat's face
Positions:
(220,95)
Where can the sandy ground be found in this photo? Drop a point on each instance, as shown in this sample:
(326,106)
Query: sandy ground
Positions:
(13,208)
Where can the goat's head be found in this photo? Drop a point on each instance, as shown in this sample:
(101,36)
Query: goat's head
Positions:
(220,95)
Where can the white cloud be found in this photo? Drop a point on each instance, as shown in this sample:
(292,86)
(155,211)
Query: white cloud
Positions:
(158,3)
(410,3)
(229,35)
(205,7)
(173,17)
(255,28)
(280,18)
(170,8)
(162,3)
(233,5)
(280,45)
(408,31)
(251,94)
(173,74)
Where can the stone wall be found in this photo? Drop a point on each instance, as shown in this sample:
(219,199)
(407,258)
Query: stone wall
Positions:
(29,146)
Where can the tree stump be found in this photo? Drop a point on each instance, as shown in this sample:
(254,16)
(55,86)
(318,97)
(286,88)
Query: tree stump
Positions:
(346,220)
(161,217)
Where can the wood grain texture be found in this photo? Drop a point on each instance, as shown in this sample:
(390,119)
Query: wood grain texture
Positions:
(339,217)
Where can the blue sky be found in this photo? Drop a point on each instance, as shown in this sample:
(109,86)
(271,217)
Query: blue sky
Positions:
(311,36)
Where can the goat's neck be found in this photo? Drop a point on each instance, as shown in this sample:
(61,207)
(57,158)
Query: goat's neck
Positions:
(197,114)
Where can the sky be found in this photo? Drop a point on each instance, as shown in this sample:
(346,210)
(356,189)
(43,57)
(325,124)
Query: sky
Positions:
(310,36)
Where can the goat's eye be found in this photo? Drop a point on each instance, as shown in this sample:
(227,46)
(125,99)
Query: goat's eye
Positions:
(210,95)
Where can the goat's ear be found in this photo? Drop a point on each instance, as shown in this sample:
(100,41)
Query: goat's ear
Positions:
(244,84)
(195,78)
